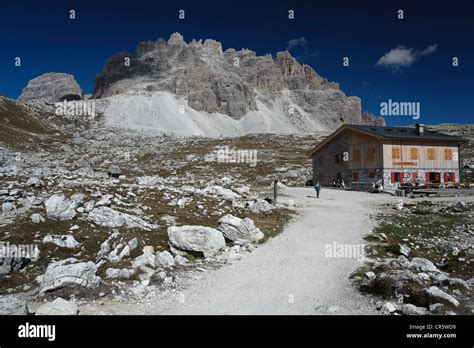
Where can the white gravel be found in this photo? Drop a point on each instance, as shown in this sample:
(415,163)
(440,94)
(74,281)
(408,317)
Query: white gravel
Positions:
(289,274)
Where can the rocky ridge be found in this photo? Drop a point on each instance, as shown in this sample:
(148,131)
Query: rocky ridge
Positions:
(231,82)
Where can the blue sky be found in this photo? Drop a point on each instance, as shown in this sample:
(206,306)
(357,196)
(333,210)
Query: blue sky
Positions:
(415,53)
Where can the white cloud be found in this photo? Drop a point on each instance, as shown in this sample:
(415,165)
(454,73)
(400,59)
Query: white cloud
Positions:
(429,50)
(403,57)
(299,42)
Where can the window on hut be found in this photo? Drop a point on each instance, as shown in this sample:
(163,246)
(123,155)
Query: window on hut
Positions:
(448,154)
(371,154)
(431,154)
(395,152)
(413,153)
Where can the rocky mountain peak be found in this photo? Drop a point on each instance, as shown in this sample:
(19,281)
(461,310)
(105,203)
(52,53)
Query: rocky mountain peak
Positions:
(232,82)
(213,45)
(176,39)
(52,87)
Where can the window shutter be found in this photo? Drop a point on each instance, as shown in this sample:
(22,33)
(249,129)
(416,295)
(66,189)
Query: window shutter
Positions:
(448,154)
(427,177)
(393,177)
(453,177)
(446,177)
(395,152)
(431,154)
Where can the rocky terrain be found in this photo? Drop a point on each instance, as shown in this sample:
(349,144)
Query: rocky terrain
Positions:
(106,209)
(170,175)
(421,258)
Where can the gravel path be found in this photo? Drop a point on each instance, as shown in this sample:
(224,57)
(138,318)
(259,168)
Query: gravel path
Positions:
(289,274)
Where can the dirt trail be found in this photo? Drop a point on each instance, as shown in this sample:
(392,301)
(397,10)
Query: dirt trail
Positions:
(289,274)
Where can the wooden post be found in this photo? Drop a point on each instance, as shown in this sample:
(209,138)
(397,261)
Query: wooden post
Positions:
(275,186)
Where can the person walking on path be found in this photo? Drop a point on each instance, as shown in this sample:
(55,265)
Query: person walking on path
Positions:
(317,187)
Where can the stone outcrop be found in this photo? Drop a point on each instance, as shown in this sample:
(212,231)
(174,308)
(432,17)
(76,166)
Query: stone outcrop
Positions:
(58,207)
(109,217)
(200,239)
(52,87)
(236,229)
(229,82)
(69,272)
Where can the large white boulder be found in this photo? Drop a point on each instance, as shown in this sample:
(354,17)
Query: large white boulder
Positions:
(69,272)
(63,241)
(260,206)
(58,207)
(36,218)
(164,259)
(109,217)
(439,295)
(146,259)
(220,192)
(196,239)
(58,307)
(35,181)
(423,265)
(8,207)
(235,229)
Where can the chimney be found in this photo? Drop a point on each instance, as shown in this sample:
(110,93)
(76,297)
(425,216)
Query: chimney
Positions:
(420,128)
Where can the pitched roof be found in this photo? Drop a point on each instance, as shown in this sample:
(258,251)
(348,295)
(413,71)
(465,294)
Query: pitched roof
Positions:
(405,133)
(384,132)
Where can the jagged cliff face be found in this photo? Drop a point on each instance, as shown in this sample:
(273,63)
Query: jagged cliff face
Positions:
(233,83)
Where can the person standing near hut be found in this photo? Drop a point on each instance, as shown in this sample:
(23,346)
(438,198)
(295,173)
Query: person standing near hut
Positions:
(317,188)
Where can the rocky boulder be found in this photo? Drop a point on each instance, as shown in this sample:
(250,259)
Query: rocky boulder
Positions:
(69,272)
(11,305)
(234,229)
(58,207)
(117,273)
(423,265)
(63,241)
(200,239)
(58,307)
(164,259)
(438,295)
(36,218)
(52,87)
(147,259)
(220,192)
(109,217)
